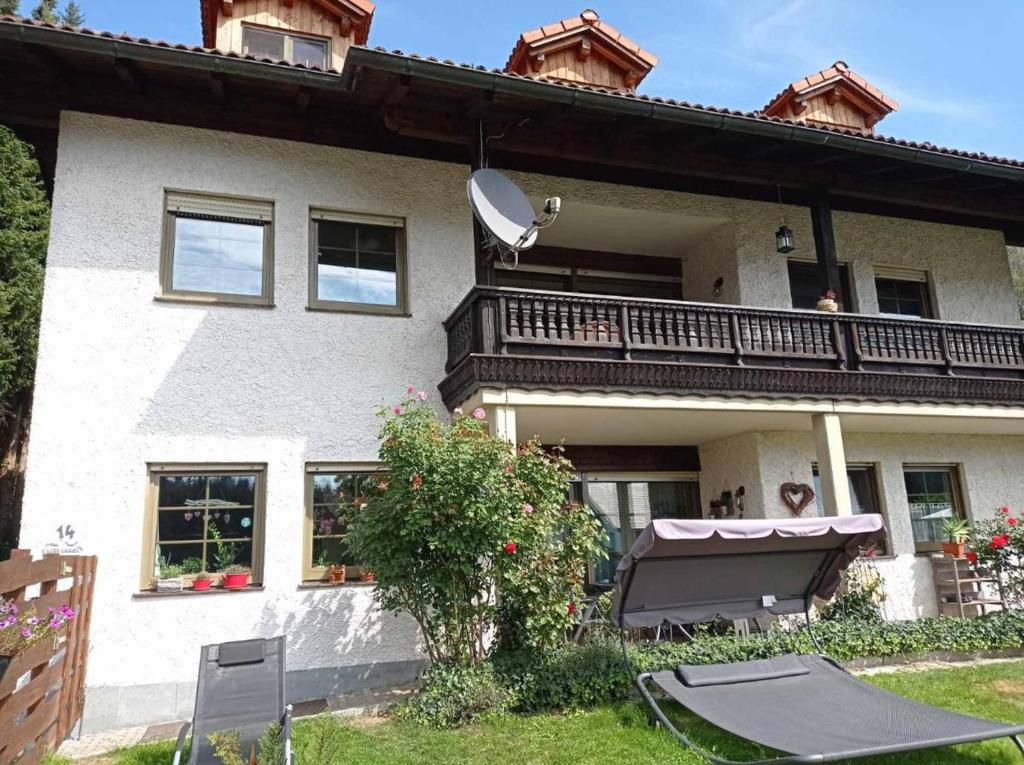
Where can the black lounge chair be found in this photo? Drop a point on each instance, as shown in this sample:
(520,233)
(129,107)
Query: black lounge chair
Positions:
(808,708)
(241,688)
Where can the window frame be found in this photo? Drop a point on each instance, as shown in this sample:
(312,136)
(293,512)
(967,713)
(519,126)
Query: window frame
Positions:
(312,574)
(167,292)
(956,487)
(399,223)
(847,286)
(155,471)
(289,42)
(919,276)
(877,491)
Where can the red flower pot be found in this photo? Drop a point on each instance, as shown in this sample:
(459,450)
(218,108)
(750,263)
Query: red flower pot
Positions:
(956,549)
(236,581)
(202,584)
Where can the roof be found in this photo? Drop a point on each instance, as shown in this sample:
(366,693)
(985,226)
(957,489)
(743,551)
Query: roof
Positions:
(756,121)
(361,9)
(576,26)
(840,70)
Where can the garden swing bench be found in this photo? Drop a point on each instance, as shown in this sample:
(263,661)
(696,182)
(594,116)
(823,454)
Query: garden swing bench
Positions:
(806,707)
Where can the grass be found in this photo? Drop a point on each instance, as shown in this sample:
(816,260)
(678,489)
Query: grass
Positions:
(620,733)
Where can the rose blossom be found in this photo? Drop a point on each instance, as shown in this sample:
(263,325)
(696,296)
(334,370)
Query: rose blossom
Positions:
(1012,521)
(972,557)
(1004,510)
(422,395)
(410,388)
(397,410)
(527,508)
(417,482)
(479,413)
(571,608)
(511,548)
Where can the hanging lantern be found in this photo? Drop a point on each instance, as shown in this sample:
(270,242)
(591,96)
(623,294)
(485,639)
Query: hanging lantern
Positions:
(784,240)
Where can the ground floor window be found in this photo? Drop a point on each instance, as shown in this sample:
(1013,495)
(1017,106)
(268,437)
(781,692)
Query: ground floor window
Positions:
(864,493)
(330,491)
(933,493)
(625,504)
(204,518)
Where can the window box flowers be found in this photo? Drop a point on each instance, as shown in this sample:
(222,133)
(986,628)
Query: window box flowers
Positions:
(203,581)
(827,302)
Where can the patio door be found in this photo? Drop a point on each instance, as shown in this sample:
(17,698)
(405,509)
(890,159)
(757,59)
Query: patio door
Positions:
(626,503)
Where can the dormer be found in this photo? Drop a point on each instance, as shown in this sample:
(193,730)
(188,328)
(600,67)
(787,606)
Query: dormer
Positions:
(315,33)
(582,49)
(833,97)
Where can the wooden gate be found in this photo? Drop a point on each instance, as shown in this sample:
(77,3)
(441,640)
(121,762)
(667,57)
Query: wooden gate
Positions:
(43,690)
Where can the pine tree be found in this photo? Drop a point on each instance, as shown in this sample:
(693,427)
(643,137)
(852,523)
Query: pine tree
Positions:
(73,16)
(46,11)
(8,7)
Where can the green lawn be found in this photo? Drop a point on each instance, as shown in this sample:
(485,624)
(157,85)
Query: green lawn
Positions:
(620,733)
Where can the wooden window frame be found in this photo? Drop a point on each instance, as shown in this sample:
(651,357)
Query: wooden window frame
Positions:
(400,224)
(957,484)
(912,275)
(878,492)
(155,471)
(851,305)
(289,42)
(167,292)
(310,572)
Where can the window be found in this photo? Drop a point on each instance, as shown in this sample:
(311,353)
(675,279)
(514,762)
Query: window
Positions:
(210,513)
(933,494)
(357,263)
(805,285)
(217,249)
(328,488)
(903,292)
(284,46)
(864,494)
(626,504)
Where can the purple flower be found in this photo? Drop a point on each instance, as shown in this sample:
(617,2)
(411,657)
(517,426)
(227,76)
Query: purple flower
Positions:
(26,633)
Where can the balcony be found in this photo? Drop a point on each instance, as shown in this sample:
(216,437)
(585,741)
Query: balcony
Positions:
(502,337)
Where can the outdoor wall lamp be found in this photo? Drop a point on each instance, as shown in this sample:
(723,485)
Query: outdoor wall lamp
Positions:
(784,240)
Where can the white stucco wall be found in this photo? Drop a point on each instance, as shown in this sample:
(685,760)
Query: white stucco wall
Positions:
(124,380)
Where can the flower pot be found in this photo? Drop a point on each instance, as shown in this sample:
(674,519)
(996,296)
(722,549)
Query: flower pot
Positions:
(236,581)
(956,549)
(202,584)
(337,574)
(828,305)
(367,576)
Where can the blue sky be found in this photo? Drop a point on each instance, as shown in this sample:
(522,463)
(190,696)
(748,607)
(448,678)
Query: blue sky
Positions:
(948,62)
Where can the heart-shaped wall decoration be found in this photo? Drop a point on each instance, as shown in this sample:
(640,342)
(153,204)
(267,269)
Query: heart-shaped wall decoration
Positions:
(797,496)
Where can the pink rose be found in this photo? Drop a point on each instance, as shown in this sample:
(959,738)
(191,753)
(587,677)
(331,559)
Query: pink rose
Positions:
(422,395)
(479,413)
(397,410)
(527,508)
(1004,510)
(410,388)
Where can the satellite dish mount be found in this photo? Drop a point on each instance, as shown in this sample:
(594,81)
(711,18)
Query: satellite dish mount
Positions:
(508,219)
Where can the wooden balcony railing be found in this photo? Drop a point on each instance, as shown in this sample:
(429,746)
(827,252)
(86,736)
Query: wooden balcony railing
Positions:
(563,336)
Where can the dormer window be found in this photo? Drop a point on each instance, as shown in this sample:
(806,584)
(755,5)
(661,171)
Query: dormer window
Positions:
(285,46)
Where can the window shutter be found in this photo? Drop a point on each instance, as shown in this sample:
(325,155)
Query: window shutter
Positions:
(901,274)
(370,220)
(221,208)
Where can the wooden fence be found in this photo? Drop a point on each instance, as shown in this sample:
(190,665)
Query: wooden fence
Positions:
(43,690)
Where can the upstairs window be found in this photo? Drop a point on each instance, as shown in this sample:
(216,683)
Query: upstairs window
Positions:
(805,285)
(903,292)
(217,249)
(357,263)
(285,46)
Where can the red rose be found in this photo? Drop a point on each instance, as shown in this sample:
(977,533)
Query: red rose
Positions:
(511,548)
(571,608)
(1000,541)
(972,557)
(1004,510)
(1012,521)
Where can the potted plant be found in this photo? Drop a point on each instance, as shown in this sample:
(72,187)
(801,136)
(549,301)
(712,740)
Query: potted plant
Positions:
(203,580)
(365,575)
(21,627)
(169,576)
(236,577)
(338,573)
(827,302)
(957,532)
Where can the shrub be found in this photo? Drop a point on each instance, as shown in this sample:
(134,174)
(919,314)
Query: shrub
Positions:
(860,595)
(469,534)
(453,695)
(999,545)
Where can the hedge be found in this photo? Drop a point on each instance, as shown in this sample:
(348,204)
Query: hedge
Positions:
(579,676)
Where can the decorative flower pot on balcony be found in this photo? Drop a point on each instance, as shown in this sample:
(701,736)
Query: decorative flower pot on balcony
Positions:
(828,305)
(956,549)
(337,574)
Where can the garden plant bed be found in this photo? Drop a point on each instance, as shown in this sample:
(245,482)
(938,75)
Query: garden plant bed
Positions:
(619,733)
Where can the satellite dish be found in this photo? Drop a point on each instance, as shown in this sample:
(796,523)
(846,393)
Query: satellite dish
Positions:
(507,217)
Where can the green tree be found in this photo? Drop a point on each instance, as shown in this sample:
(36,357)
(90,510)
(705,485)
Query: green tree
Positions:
(73,15)
(24,223)
(46,11)
(471,535)
(8,7)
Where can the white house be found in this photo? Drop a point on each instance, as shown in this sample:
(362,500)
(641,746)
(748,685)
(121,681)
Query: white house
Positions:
(257,243)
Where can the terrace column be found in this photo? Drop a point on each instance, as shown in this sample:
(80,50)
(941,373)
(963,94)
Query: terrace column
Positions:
(503,423)
(828,441)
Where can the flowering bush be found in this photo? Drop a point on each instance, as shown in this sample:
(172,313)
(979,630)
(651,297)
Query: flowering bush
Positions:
(22,628)
(470,535)
(860,595)
(998,545)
